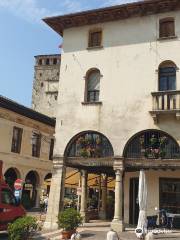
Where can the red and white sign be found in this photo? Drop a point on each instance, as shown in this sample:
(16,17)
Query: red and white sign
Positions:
(18,184)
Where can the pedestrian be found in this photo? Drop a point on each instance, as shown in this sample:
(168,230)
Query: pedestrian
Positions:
(46,203)
(112,235)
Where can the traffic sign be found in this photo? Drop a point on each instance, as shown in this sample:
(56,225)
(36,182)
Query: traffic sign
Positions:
(18,184)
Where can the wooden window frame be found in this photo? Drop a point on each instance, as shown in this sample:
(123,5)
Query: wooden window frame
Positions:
(163,65)
(90,42)
(36,148)
(166,35)
(16,143)
(86,94)
(51,149)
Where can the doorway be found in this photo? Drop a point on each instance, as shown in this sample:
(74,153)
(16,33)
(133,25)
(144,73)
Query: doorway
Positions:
(133,201)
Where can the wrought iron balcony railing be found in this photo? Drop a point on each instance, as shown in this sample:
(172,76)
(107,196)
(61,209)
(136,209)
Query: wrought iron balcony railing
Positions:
(166,102)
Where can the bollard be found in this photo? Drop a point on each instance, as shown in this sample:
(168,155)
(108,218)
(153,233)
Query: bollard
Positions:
(112,235)
(149,236)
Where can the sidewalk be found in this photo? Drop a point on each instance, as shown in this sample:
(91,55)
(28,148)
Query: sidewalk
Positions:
(98,231)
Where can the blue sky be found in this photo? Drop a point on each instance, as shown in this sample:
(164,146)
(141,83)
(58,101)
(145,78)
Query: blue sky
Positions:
(23,35)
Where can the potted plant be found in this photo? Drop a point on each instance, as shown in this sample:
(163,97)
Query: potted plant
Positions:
(69,220)
(23,228)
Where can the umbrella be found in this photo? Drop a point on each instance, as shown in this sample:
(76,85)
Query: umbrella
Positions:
(142,197)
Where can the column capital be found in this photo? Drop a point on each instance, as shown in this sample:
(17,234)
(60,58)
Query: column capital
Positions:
(58,161)
(83,173)
(118,163)
(118,171)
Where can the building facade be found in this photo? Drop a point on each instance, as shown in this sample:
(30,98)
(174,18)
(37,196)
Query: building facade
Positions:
(118,106)
(26,148)
(46,83)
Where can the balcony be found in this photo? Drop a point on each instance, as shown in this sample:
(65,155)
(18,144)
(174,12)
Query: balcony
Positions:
(166,102)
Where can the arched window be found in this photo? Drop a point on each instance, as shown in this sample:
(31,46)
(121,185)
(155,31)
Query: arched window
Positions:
(152,144)
(166,27)
(89,144)
(93,86)
(167,76)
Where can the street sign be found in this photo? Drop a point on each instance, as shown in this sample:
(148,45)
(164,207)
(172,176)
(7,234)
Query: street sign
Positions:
(17,193)
(18,185)
(79,191)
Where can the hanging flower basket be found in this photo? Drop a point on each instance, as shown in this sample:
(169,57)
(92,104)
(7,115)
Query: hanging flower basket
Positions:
(89,147)
(155,148)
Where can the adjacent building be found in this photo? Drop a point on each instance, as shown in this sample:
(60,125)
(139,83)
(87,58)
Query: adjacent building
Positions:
(46,83)
(26,148)
(119,106)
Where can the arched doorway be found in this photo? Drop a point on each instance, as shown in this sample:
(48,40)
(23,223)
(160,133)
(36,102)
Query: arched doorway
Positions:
(157,153)
(30,189)
(10,176)
(91,153)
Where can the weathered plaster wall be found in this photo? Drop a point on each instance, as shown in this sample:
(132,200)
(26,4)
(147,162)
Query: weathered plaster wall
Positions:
(128,63)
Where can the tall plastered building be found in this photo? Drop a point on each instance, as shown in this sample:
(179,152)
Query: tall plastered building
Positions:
(119,108)
(46,81)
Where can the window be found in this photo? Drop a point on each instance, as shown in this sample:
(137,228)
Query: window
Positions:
(16,140)
(7,197)
(93,86)
(170,194)
(40,61)
(51,149)
(47,61)
(166,28)
(36,144)
(167,76)
(55,61)
(95,38)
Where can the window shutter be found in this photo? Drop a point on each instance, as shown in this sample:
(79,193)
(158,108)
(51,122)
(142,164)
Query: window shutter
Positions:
(95,38)
(167,28)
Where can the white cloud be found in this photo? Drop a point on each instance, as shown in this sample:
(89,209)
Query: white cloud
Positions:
(116,2)
(27,9)
(32,11)
(72,6)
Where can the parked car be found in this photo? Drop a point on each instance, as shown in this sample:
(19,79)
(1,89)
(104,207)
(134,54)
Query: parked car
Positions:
(10,208)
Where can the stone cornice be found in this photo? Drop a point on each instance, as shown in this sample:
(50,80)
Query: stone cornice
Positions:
(152,164)
(114,13)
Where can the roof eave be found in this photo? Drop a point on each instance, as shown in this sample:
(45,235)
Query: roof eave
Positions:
(113,13)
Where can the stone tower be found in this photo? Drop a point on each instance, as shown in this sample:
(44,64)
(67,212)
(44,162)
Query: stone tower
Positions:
(45,85)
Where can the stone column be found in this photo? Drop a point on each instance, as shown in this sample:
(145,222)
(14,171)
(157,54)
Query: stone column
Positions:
(56,194)
(102,213)
(83,210)
(117,223)
(38,195)
(99,193)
